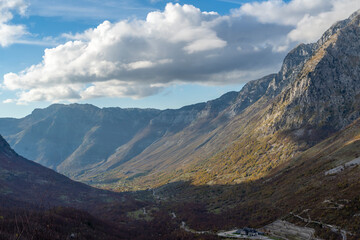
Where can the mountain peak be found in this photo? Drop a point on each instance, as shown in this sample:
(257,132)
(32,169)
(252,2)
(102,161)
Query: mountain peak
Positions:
(336,27)
(356,14)
(58,106)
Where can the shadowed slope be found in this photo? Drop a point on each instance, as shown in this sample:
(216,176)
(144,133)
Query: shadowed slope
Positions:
(24,181)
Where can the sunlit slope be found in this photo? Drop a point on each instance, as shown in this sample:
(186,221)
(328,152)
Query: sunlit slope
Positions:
(321,184)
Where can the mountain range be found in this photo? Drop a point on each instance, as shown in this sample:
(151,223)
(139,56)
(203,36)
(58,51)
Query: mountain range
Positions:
(239,136)
(284,147)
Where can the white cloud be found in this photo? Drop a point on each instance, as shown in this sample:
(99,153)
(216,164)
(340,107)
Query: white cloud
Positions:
(310,18)
(10,33)
(9,101)
(138,58)
(310,27)
(114,88)
(52,94)
(280,12)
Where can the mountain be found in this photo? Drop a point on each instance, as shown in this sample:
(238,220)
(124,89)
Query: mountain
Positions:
(238,137)
(74,138)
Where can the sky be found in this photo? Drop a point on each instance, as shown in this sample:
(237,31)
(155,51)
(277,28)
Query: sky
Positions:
(147,53)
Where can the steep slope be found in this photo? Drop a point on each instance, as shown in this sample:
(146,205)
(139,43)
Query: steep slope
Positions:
(327,88)
(315,94)
(23,183)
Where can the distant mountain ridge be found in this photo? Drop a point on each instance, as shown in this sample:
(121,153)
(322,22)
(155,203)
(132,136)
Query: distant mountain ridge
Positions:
(58,133)
(74,138)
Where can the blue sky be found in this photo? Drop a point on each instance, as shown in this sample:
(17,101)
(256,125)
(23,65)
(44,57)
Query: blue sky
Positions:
(147,53)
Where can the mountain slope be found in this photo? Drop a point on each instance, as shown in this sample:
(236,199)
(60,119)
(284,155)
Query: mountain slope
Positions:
(307,110)
(27,183)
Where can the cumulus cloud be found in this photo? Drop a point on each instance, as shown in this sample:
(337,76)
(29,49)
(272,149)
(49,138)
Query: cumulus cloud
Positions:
(9,33)
(138,58)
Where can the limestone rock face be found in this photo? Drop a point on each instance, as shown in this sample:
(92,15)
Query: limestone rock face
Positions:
(326,92)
